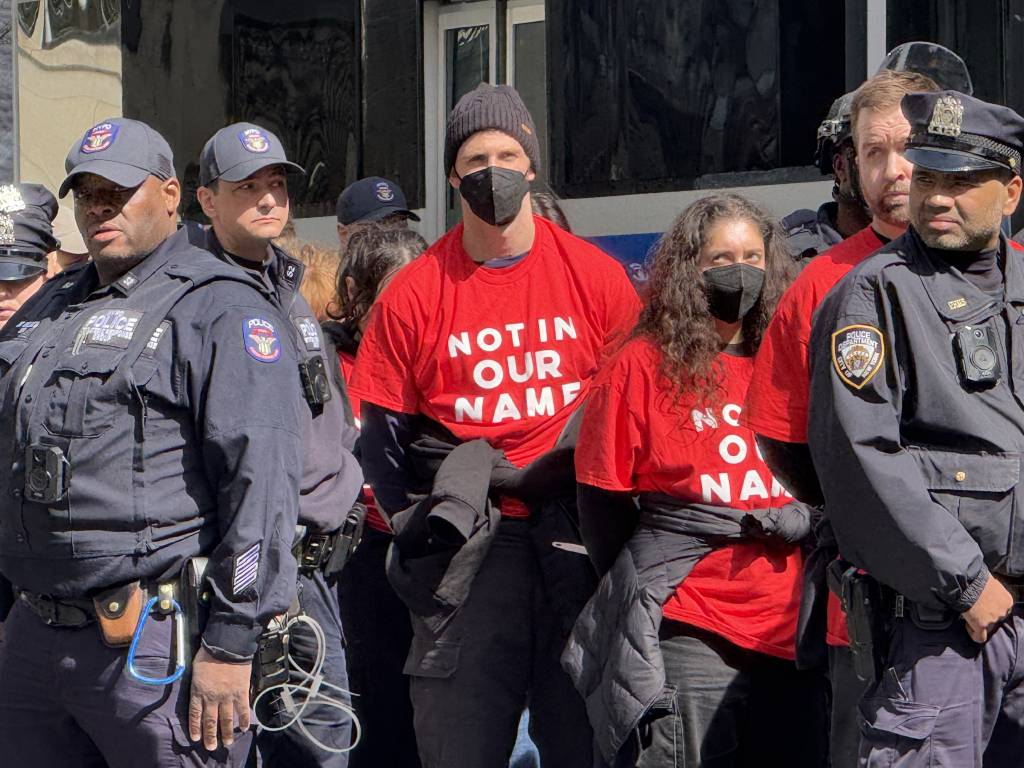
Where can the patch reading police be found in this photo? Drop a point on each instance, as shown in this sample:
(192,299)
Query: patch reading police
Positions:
(857,354)
(309,331)
(108,328)
(247,567)
(261,340)
(99,138)
(254,140)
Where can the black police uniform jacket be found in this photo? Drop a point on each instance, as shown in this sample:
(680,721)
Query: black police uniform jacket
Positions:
(918,466)
(175,403)
(331,477)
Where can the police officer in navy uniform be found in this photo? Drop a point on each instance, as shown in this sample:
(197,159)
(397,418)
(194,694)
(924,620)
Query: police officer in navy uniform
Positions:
(148,415)
(917,434)
(26,239)
(809,233)
(244,192)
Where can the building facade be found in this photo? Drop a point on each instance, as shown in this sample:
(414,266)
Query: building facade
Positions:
(642,105)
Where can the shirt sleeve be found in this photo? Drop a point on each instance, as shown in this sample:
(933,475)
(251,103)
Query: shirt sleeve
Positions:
(383,444)
(884,517)
(610,436)
(245,399)
(622,313)
(385,366)
(776,404)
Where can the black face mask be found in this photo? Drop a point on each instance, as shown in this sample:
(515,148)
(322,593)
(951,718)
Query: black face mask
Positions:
(495,194)
(733,290)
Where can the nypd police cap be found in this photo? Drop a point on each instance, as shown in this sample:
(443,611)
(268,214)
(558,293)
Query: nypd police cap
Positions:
(240,150)
(371,199)
(120,150)
(951,132)
(26,230)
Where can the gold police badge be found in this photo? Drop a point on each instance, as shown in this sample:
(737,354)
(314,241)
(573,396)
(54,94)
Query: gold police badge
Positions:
(947,117)
(857,354)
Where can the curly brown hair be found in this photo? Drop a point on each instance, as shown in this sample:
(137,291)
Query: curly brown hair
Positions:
(372,253)
(676,317)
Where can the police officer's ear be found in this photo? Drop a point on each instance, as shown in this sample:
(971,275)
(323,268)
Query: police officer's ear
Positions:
(207,202)
(1013,192)
(170,189)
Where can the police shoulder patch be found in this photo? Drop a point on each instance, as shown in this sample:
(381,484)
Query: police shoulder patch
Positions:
(261,339)
(857,354)
(309,331)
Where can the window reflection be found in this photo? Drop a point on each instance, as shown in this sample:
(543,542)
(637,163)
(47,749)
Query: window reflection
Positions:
(654,95)
(467,64)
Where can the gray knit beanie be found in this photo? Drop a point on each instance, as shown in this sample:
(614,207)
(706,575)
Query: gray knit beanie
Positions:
(486,107)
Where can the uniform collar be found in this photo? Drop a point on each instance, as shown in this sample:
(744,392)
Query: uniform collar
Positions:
(828,214)
(955,297)
(153,263)
(283,272)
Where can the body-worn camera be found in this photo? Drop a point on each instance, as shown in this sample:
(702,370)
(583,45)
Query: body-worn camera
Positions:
(316,386)
(977,355)
(47,474)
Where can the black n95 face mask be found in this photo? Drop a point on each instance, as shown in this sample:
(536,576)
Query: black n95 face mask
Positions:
(495,194)
(733,290)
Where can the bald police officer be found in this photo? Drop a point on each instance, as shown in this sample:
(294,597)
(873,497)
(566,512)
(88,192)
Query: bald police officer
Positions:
(244,192)
(809,233)
(127,449)
(917,433)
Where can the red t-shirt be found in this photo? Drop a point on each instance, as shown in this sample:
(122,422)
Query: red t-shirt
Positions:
(373,516)
(505,354)
(634,439)
(777,401)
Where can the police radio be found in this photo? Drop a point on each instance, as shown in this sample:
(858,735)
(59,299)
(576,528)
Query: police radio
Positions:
(316,387)
(976,356)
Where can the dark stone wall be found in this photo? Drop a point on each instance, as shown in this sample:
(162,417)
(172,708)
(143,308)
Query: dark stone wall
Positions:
(6,93)
(392,89)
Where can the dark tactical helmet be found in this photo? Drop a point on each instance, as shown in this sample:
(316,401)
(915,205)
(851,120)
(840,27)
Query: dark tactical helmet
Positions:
(833,131)
(936,61)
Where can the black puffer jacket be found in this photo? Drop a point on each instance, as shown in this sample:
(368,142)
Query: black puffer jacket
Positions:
(613,656)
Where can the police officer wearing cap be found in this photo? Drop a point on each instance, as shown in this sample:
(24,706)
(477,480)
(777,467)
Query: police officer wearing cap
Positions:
(809,233)
(127,451)
(244,192)
(917,433)
(26,239)
(371,201)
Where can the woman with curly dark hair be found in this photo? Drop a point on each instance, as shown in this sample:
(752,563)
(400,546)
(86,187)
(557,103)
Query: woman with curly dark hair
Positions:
(714,548)
(377,629)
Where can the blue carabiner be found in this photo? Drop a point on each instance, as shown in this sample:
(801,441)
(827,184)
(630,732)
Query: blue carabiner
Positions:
(179,625)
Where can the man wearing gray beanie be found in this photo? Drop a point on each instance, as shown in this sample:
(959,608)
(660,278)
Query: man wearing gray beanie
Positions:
(494,334)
